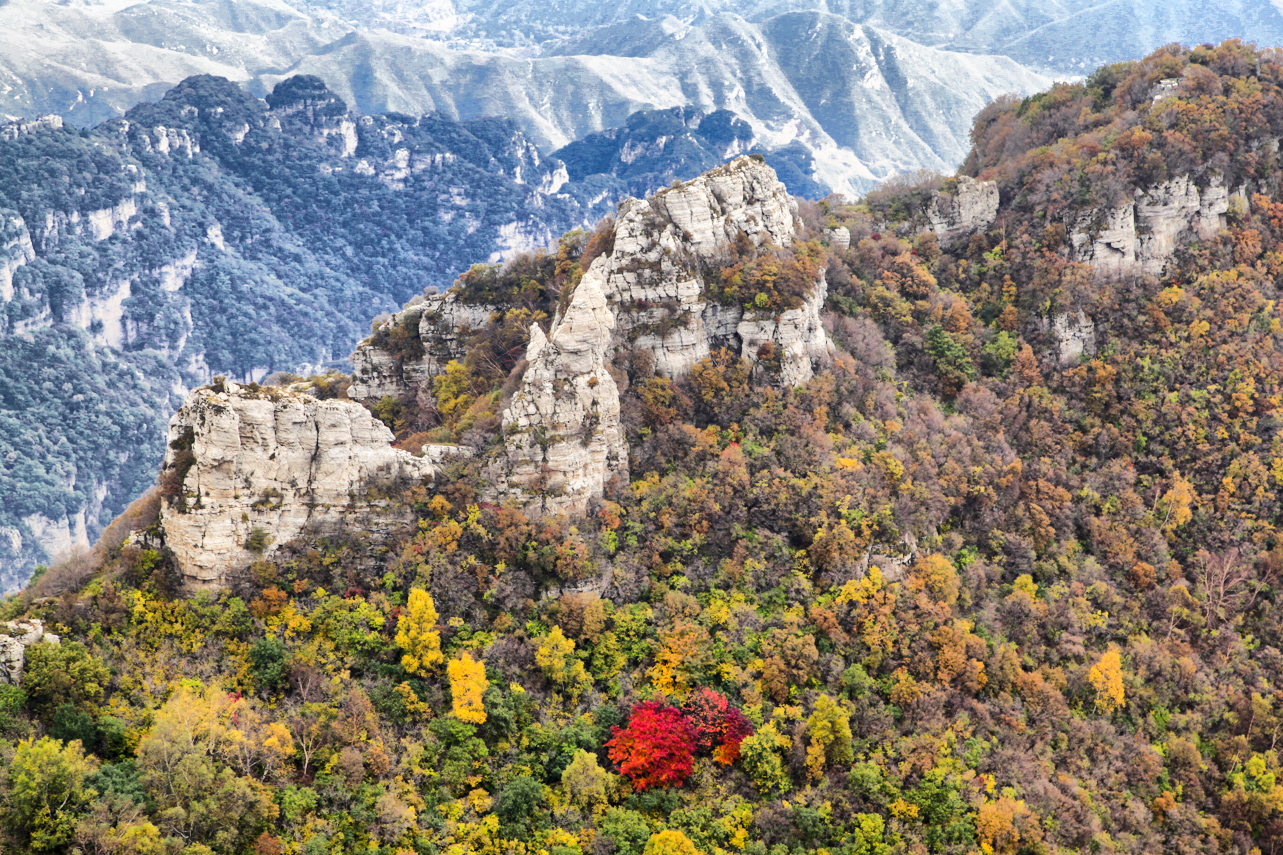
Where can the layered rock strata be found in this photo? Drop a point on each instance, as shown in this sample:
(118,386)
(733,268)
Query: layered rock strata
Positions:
(1140,236)
(971,208)
(248,470)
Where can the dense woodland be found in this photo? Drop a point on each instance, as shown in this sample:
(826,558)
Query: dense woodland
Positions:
(949,596)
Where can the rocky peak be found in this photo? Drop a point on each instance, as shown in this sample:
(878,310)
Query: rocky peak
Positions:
(249,469)
(564,442)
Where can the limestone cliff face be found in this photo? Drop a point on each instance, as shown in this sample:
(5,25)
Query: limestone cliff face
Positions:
(15,250)
(970,209)
(444,322)
(648,293)
(563,439)
(1140,236)
(248,470)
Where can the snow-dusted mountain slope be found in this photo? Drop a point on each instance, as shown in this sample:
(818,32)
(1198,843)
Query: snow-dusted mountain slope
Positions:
(866,102)
(1066,35)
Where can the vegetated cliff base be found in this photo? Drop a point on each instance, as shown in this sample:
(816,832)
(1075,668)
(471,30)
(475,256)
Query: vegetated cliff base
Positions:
(249,469)
(705,267)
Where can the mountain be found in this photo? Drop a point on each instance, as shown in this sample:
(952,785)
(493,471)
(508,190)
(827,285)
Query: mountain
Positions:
(1070,36)
(215,233)
(943,520)
(883,104)
(655,147)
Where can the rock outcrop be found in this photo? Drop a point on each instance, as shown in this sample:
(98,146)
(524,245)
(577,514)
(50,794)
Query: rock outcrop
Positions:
(563,439)
(15,637)
(1140,236)
(646,294)
(248,470)
(444,322)
(15,250)
(1075,335)
(971,208)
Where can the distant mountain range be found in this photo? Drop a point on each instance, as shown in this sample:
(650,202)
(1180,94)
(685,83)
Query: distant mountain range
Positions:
(866,102)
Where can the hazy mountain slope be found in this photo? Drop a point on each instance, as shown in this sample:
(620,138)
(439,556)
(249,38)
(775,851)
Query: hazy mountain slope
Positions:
(1066,35)
(867,103)
(89,62)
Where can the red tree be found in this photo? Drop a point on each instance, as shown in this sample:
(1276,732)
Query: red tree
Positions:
(735,729)
(656,749)
(718,727)
(705,712)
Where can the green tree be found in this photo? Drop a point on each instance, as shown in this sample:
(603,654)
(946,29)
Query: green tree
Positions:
(584,780)
(57,674)
(47,792)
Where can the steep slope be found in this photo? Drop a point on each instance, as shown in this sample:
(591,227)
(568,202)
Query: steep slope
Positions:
(706,268)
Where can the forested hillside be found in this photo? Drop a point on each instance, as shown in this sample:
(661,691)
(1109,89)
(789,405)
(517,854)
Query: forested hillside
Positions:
(1003,577)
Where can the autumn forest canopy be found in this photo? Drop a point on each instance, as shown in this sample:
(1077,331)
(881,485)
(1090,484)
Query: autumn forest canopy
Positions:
(962,591)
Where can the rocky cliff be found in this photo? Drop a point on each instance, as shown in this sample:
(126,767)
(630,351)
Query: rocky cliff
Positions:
(647,294)
(972,207)
(1140,235)
(250,469)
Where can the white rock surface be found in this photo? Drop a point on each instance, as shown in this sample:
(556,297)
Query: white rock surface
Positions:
(445,324)
(564,442)
(1075,335)
(971,209)
(275,461)
(1140,237)
(839,238)
(15,251)
(15,637)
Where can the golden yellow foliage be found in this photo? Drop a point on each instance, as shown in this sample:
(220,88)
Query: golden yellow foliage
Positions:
(417,635)
(468,685)
(1107,679)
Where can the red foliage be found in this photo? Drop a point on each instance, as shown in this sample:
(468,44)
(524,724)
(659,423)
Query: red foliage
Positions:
(718,727)
(706,711)
(656,749)
(735,729)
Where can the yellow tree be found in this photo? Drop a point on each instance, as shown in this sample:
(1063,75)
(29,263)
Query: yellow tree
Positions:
(468,685)
(556,657)
(417,635)
(829,728)
(1107,679)
(670,842)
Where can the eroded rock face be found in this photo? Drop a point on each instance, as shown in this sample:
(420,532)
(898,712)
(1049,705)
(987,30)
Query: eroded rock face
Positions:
(972,208)
(1141,236)
(564,443)
(250,470)
(444,322)
(15,637)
